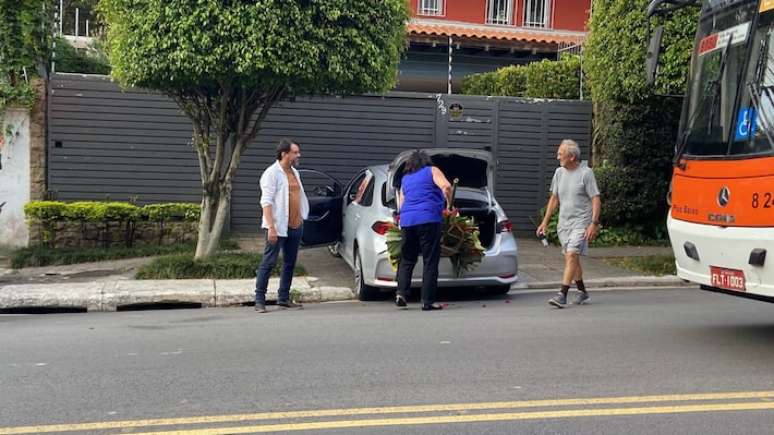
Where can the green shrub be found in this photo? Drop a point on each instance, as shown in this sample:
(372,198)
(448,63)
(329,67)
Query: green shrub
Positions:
(614,53)
(553,79)
(70,59)
(651,234)
(635,154)
(96,211)
(510,81)
(174,211)
(45,210)
(544,79)
(219,266)
(480,84)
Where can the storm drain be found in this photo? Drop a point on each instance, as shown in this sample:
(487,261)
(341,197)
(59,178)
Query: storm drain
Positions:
(42,310)
(159,306)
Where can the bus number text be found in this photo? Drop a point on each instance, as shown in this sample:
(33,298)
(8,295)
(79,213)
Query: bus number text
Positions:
(765,200)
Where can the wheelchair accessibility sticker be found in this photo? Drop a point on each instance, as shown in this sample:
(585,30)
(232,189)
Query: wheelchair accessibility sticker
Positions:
(746,123)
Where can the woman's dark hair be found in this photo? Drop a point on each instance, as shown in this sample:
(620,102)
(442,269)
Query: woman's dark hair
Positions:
(417,160)
(284,146)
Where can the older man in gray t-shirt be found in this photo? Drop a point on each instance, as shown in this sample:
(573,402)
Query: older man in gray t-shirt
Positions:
(574,191)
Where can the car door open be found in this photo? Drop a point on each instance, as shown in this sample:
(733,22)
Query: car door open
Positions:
(323,225)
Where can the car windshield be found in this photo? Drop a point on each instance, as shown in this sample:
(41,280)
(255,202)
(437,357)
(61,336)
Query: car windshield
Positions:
(719,58)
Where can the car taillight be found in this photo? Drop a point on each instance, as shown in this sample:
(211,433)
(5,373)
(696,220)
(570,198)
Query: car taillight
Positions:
(504,226)
(381,228)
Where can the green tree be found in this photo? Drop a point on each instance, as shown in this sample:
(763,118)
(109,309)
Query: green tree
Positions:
(227,62)
(634,128)
(615,51)
(25,46)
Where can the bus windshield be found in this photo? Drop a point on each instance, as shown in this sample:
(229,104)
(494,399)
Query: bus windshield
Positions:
(755,117)
(719,59)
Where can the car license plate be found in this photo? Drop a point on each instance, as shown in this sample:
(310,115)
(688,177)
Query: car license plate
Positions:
(729,279)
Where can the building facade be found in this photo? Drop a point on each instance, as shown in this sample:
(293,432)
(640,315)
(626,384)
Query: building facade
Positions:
(472,36)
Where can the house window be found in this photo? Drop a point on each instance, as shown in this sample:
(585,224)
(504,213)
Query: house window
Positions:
(499,11)
(536,13)
(430,7)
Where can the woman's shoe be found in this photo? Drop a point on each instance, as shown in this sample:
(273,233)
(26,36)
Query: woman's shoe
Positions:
(431,307)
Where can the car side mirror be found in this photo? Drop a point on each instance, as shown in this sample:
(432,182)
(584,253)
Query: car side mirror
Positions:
(653,55)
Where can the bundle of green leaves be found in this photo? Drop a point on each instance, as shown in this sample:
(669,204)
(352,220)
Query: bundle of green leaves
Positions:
(459,241)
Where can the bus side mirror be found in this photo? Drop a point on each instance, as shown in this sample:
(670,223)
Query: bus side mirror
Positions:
(651,58)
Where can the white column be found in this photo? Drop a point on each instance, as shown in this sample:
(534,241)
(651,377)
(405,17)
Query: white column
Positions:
(14,177)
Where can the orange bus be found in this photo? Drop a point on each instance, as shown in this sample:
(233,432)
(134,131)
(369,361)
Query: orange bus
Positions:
(721,220)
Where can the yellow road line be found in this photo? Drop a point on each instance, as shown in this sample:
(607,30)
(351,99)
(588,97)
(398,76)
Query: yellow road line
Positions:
(412,409)
(343,424)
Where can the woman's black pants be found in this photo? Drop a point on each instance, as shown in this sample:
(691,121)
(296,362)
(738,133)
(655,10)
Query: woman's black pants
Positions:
(424,238)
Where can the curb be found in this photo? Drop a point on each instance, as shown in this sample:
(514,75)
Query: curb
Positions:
(626,281)
(114,295)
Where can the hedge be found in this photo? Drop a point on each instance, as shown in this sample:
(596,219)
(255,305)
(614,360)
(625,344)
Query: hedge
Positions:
(636,159)
(544,79)
(94,211)
(614,56)
(113,221)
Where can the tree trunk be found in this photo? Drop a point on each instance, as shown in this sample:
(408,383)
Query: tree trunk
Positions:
(213,219)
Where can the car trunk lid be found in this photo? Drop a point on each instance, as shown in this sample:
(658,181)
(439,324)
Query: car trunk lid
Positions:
(473,168)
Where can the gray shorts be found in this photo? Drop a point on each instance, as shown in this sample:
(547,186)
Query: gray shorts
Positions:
(573,240)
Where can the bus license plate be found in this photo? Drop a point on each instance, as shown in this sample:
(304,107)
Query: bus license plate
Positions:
(729,279)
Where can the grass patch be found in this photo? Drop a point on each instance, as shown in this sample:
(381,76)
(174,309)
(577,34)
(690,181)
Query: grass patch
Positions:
(221,266)
(42,256)
(658,265)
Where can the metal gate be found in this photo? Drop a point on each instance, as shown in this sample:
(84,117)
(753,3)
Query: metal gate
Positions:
(105,142)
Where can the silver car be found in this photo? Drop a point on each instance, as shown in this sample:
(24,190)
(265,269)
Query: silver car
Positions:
(354,220)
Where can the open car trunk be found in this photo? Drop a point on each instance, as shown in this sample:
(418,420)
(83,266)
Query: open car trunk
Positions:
(483,215)
(474,170)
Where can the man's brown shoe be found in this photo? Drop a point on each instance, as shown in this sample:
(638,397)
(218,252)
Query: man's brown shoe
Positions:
(290,305)
(261,308)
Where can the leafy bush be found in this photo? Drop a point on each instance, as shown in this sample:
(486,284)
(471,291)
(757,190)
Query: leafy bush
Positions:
(615,51)
(510,81)
(173,211)
(45,210)
(480,84)
(549,79)
(544,79)
(25,43)
(70,59)
(652,234)
(635,155)
(219,266)
(95,211)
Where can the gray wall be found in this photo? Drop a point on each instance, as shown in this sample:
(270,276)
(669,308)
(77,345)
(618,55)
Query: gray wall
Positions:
(108,142)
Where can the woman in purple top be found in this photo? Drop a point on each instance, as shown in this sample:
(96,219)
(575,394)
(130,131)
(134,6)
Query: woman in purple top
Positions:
(423,195)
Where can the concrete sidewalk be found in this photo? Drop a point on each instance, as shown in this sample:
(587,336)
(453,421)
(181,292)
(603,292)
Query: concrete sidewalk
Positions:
(109,286)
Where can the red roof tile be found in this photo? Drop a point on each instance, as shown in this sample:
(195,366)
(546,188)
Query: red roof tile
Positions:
(481,31)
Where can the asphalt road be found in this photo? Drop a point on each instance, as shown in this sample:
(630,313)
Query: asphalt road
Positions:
(636,361)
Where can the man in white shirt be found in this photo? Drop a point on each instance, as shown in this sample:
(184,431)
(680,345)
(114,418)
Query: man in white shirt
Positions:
(285,207)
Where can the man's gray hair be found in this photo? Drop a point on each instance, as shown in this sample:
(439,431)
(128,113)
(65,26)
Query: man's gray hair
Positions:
(572,147)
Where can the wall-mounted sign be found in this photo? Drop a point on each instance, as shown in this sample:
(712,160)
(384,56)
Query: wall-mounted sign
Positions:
(455,111)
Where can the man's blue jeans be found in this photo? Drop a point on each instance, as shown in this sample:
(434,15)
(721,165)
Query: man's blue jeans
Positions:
(289,247)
